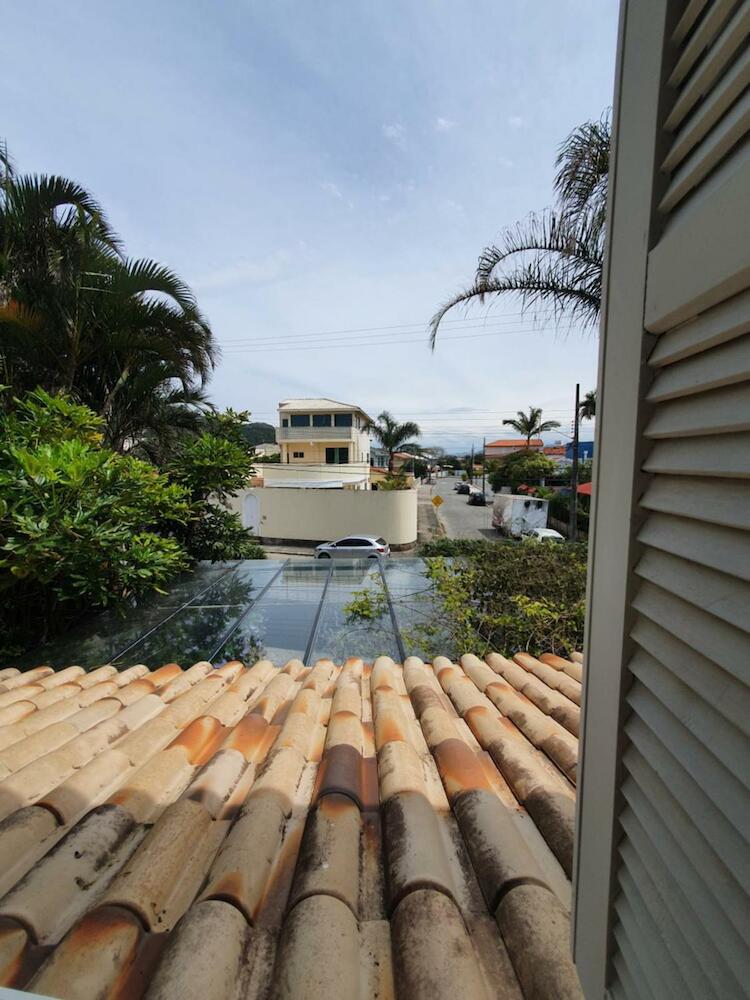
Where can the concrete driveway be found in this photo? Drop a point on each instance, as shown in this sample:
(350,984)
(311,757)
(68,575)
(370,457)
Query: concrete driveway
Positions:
(458,519)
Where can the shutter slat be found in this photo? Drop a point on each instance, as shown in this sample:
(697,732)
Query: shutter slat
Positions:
(730,746)
(702,456)
(720,411)
(685,876)
(659,964)
(727,842)
(722,787)
(725,645)
(705,32)
(711,67)
(728,888)
(727,694)
(726,134)
(723,323)
(697,957)
(690,16)
(703,256)
(725,503)
(726,364)
(720,594)
(707,544)
(642,990)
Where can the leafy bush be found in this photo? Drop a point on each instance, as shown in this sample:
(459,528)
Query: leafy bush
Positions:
(80,525)
(394,481)
(211,467)
(513,597)
(521,467)
(458,547)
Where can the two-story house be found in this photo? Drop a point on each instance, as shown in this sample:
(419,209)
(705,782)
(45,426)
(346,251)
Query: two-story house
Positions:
(324,444)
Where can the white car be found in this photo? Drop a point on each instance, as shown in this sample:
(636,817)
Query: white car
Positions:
(354,547)
(546,535)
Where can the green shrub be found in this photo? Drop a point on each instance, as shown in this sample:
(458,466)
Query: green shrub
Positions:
(219,535)
(513,597)
(81,526)
(521,467)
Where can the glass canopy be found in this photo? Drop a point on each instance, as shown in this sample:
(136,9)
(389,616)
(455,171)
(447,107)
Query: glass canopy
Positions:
(273,609)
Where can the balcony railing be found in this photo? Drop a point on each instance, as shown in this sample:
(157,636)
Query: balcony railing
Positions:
(316,434)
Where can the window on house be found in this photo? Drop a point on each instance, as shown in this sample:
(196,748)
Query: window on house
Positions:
(321,419)
(337,456)
(285,422)
(300,419)
(298,454)
(343,420)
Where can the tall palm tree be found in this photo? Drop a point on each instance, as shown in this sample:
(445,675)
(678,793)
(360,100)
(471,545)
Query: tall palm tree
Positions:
(392,435)
(555,257)
(125,337)
(587,406)
(530,424)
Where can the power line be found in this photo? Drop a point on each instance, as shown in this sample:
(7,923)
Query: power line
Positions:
(420,327)
(374,343)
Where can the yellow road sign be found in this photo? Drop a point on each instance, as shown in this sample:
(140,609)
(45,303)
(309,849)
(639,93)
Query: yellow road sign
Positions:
(437,500)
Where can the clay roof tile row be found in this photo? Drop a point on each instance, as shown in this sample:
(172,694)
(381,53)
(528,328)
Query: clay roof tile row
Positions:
(346,832)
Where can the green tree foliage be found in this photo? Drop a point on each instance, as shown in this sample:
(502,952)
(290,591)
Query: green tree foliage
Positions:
(587,406)
(555,257)
(392,435)
(81,526)
(124,337)
(521,467)
(530,424)
(259,433)
(210,468)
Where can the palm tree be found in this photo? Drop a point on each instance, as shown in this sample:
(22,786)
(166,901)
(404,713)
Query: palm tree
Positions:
(554,257)
(587,406)
(123,336)
(530,424)
(392,435)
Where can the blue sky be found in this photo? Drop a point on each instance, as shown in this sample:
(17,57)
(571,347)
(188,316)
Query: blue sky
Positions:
(325,167)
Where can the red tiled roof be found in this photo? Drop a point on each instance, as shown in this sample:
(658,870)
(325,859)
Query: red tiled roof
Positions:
(343,832)
(557,449)
(515,443)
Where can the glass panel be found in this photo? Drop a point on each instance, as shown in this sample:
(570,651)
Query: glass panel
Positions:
(195,632)
(343,420)
(416,607)
(331,456)
(343,456)
(355,619)
(279,625)
(300,419)
(321,419)
(97,638)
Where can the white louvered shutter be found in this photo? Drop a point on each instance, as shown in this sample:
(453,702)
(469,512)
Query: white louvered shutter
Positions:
(671,706)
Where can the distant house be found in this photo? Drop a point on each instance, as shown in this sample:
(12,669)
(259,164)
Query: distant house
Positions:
(323,444)
(267,449)
(378,457)
(505,447)
(557,453)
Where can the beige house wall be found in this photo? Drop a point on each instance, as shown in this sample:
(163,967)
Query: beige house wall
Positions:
(312,515)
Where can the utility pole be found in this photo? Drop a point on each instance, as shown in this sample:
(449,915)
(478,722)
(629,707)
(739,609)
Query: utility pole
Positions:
(471,465)
(573,526)
(484,462)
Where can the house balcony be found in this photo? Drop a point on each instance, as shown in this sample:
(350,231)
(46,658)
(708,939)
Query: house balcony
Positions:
(301,475)
(313,434)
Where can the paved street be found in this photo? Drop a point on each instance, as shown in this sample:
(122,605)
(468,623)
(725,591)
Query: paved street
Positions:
(459,519)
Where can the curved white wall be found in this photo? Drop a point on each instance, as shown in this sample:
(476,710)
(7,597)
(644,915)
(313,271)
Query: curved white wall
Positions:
(320,515)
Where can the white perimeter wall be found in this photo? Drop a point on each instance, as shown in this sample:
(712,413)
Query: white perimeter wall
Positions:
(322,515)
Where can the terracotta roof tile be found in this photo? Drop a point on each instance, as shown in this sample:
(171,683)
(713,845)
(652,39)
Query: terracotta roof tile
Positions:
(352,832)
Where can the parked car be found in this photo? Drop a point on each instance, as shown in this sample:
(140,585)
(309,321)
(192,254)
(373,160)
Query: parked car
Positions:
(546,535)
(477,498)
(462,488)
(354,547)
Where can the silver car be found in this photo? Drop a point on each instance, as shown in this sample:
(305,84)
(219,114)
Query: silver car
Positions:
(354,547)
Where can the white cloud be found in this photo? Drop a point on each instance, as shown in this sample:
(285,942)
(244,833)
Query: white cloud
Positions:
(444,124)
(245,272)
(333,189)
(395,133)
(515,121)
